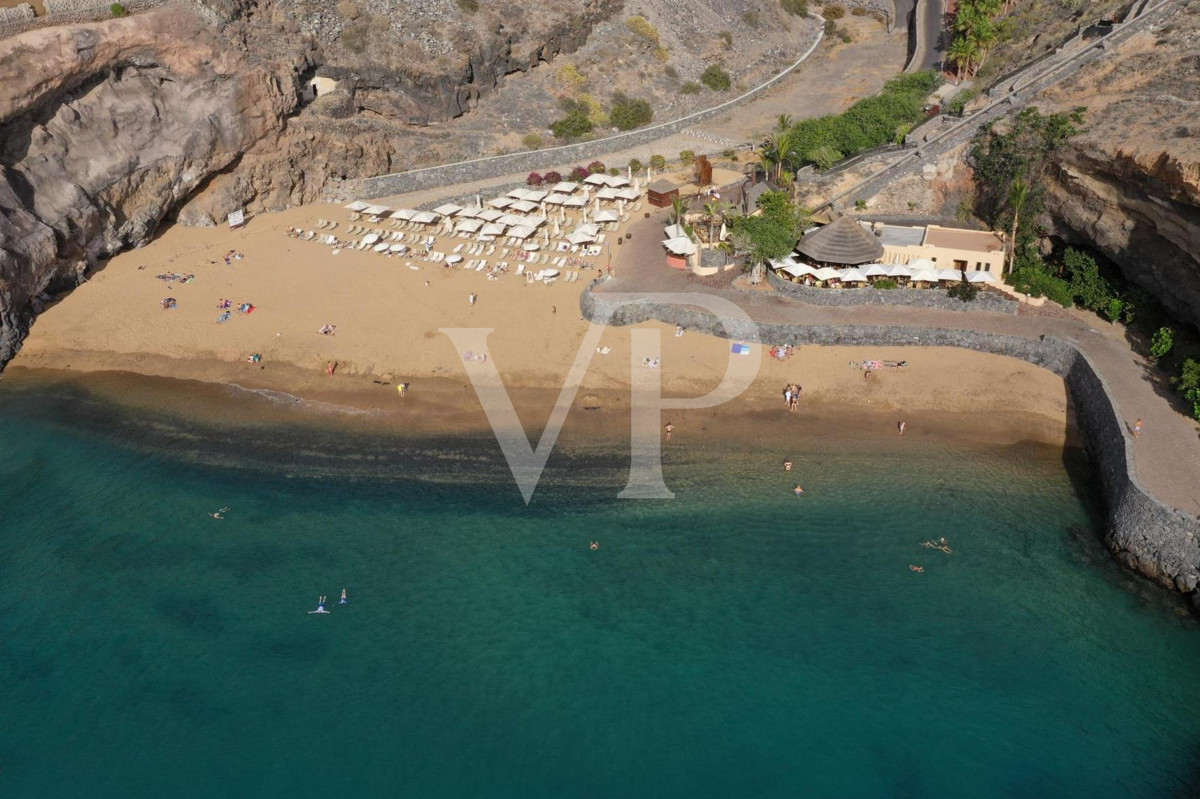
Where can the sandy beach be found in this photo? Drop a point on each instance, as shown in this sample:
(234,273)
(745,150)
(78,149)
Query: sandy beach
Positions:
(388,318)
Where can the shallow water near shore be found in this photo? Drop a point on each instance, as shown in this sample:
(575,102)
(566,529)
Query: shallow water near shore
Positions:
(734,641)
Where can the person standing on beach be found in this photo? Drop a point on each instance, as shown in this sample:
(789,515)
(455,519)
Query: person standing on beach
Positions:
(670,428)
(471,298)
(1137,428)
(900,426)
(330,367)
(787,465)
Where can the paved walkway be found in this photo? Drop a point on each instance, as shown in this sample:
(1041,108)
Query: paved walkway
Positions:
(1167,455)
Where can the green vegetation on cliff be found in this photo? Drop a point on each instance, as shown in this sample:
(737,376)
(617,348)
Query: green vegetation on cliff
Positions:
(868,123)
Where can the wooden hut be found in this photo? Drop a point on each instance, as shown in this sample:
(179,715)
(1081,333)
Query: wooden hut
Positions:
(843,242)
(661,192)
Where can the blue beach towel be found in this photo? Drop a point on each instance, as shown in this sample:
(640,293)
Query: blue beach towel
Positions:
(740,349)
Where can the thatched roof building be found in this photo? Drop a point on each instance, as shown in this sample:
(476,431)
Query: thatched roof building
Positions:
(842,241)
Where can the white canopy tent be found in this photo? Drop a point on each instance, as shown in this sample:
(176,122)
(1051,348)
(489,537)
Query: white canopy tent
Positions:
(403,213)
(424,218)
(950,275)
(536,195)
(606,216)
(357,205)
(488,214)
(827,273)
(370,238)
(564,186)
(448,209)
(874,270)
(925,276)
(980,277)
(921,264)
(557,199)
(375,210)
(398,248)
(492,229)
(798,270)
(853,276)
(596,179)
(524,206)
(575,202)
(518,194)
(522,231)
(469,225)
(899,270)
(453,259)
(607,193)
(680,246)
(500,202)
(472,213)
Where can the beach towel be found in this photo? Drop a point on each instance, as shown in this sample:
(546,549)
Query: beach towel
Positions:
(740,349)
(223,318)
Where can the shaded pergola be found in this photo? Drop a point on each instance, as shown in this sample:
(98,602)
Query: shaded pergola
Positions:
(843,242)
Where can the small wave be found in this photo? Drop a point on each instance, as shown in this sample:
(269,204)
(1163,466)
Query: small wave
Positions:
(284,399)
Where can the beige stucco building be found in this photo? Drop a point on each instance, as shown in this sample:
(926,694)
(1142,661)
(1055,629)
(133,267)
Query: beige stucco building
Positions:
(949,248)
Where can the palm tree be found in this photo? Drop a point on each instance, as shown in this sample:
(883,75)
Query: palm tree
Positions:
(679,207)
(714,211)
(960,54)
(783,122)
(1016,198)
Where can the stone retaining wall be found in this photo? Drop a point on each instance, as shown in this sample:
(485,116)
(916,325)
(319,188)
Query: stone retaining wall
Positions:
(1162,543)
(68,12)
(539,160)
(917,298)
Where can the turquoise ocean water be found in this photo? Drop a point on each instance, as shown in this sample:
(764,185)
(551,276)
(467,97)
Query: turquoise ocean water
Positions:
(735,641)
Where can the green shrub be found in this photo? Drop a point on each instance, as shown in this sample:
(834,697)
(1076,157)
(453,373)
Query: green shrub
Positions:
(830,28)
(1187,383)
(750,19)
(1088,287)
(716,78)
(833,12)
(628,113)
(687,157)
(570,76)
(797,7)
(118,10)
(964,291)
(470,6)
(658,162)
(691,87)
(885,283)
(860,205)
(572,126)
(824,157)
(636,165)
(845,37)
(727,38)
(858,11)
(532,141)
(642,27)
(1040,283)
(1162,342)
(868,123)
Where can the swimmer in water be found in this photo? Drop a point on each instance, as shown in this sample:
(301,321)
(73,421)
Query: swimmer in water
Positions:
(797,490)
(320,606)
(343,600)
(594,545)
(216,515)
(787,465)
(917,569)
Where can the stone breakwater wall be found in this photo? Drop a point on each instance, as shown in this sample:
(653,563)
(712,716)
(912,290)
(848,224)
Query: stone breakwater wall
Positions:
(917,298)
(556,157)
(1160,542)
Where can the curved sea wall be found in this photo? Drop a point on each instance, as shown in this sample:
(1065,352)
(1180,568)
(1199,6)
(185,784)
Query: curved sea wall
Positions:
(917,298)
(1160,542)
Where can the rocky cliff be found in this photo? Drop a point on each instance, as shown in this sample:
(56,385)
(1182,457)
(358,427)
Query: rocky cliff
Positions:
(108,129)
(1130,185)
(104,130)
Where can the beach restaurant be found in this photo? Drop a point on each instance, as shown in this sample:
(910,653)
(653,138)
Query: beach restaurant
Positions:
(947,247)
